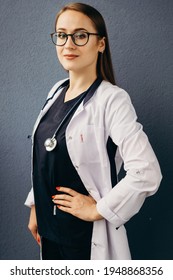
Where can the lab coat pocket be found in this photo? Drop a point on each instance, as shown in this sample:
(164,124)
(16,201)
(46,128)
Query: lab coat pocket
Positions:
(92,140)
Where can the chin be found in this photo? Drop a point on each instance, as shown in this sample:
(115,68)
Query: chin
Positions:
(69,68)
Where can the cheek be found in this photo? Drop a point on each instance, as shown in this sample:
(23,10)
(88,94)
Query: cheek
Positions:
(91,55)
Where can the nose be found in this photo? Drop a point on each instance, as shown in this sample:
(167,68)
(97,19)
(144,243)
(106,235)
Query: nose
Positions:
(69,43)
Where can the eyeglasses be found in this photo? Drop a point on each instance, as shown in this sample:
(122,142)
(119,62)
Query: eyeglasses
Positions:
(79,38)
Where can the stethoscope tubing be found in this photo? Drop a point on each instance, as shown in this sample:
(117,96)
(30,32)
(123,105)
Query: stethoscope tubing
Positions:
(51,143)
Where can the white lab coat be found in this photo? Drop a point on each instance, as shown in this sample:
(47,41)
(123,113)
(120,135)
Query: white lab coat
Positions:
(109,112)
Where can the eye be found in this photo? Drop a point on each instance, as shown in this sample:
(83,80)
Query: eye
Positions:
(61,35)
(80,35)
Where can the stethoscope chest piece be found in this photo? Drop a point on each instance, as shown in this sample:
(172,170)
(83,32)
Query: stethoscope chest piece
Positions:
(50,144)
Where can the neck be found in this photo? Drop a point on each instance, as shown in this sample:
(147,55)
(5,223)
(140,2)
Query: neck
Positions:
(79,84)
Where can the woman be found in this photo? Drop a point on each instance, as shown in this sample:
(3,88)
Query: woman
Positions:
(85,130)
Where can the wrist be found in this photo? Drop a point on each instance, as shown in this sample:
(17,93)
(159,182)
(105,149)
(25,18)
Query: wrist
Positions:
(96,214)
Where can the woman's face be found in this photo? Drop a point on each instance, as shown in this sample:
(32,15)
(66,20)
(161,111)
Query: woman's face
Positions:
(78,59)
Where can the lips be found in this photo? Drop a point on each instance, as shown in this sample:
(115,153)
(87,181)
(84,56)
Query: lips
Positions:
(70,56)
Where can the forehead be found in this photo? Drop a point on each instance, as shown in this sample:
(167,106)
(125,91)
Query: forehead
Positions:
(71,20)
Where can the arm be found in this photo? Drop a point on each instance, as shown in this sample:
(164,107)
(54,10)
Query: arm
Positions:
(33,224)
(30,198)
(143,174)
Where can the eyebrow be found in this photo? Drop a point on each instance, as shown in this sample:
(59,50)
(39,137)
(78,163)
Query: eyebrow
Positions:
(75,30)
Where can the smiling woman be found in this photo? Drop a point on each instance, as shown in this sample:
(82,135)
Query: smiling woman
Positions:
(78,208)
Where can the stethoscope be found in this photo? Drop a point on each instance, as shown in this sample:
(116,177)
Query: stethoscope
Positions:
(51,143)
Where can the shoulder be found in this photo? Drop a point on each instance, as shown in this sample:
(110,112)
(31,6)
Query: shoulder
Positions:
(56,86)
(117,107)
(108,94)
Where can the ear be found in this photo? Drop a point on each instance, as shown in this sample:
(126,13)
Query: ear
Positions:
(102,45)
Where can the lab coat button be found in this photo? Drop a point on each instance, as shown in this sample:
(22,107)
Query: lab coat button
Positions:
(76,166)
(139,172)
(70,137)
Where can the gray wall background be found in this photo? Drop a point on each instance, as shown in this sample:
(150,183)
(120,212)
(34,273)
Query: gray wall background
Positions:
(140,33)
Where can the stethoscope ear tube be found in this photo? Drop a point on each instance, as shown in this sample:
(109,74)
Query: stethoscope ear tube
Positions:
(52,96)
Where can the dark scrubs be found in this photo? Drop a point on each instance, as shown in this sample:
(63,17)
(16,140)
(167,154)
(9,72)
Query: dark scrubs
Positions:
(51,169)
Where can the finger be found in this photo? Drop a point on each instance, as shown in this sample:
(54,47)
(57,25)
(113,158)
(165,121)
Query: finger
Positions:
(65,209)
(62,197)
(63,203)
(67,190)
(38,239)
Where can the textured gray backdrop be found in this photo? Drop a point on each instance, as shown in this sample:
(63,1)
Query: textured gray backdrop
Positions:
(141,40)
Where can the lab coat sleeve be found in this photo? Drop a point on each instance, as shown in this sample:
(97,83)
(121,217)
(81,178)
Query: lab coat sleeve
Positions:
(30,198)
(143,173)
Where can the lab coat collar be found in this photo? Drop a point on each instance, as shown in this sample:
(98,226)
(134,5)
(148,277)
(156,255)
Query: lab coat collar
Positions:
(91,90)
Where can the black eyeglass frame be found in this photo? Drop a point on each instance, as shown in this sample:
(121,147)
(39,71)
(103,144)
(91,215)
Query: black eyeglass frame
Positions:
(71,35)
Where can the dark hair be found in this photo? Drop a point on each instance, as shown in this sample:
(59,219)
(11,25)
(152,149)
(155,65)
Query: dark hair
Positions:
(104,62)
